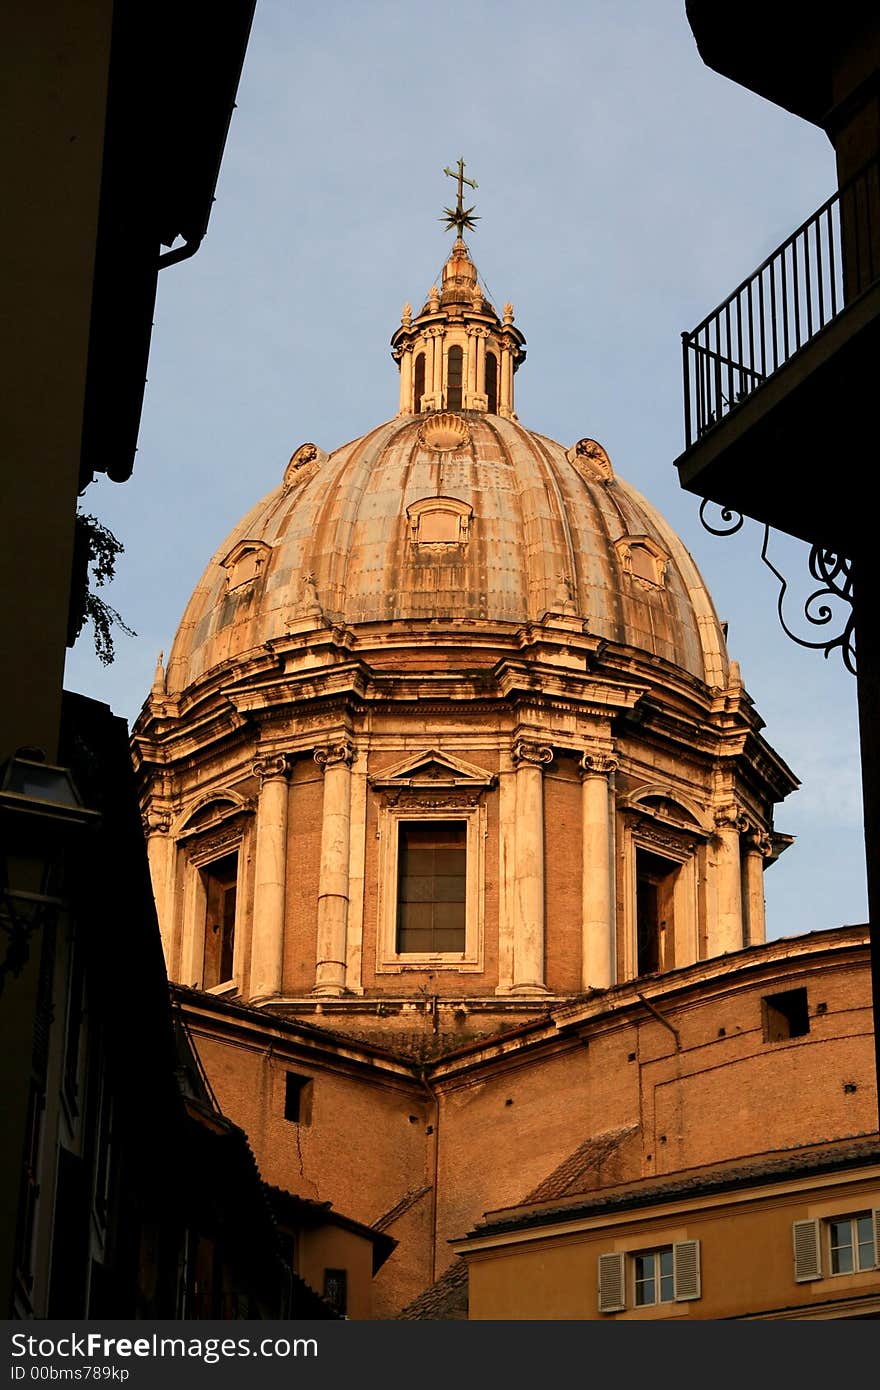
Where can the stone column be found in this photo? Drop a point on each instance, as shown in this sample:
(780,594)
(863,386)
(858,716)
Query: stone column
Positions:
(506,862)
(757,848)
(161,854)
(505,392)
(598,965)
(528,882)
(482,335)
(406,381)
(428,345)
(270,875)
(472,355)
(728,933)
(437,387)
(335,763)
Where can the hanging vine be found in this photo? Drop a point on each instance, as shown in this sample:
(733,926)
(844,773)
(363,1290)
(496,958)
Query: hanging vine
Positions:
(94,564)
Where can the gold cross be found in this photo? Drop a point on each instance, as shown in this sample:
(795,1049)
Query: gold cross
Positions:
(461,217)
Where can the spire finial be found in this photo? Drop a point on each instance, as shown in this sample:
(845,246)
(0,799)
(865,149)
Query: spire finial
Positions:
(159,676)
(460,217)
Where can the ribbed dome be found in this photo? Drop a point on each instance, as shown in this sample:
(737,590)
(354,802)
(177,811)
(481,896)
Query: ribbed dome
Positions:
(451,516)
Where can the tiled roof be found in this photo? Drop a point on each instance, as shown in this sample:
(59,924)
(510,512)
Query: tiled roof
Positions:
(828,1156)
(596,1162)
(445,1300)
(394,1213)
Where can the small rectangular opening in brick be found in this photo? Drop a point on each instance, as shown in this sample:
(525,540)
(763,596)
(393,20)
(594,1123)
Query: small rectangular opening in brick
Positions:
(786,1015)
(297,1098)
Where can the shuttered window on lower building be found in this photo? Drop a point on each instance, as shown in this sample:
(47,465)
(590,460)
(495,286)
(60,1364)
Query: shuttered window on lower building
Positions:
(616,1268)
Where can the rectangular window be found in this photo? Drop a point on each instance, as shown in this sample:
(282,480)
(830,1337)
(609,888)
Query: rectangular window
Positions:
(851,1243)
(336,1289)
(653,1277)
(655,893)
(220,881)
(844,1244)
(297,1098)
(431,887)
(785,1015)
(644,1278)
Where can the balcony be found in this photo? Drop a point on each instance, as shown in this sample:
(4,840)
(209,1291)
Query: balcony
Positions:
(781,380)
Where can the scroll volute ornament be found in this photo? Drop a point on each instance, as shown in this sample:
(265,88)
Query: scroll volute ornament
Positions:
(271,766)
(342,751)
(599,764)
(530,752)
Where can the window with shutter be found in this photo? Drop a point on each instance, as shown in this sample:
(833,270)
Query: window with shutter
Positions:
(686,1261)
(852,1242)
(807,1252)
(611,1283)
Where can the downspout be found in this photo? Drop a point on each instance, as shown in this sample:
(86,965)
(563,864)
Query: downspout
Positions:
(660,1019)
(435,1131)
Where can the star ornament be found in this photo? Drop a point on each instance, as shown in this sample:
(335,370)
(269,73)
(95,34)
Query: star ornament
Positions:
(464,219)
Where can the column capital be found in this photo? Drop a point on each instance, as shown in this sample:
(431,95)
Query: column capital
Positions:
(527,751)
(598,764)
(272,766)
(730,817)
(342,751)
(156,822)
(758,841)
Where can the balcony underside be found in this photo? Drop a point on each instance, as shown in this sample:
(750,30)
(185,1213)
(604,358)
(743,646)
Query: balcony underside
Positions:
(790,454)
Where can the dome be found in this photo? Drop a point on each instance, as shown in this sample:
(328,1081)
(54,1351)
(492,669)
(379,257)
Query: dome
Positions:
(457,517)
(448,729)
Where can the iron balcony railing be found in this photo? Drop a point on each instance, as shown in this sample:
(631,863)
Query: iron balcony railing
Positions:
(783,304)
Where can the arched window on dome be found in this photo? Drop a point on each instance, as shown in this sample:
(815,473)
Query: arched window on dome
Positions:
(454,377)
(492,383)
(418,382)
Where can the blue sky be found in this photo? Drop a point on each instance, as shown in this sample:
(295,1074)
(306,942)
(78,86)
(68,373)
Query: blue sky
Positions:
(624,190)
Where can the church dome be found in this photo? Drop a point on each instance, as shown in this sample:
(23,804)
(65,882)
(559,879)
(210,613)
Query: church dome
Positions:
(462,517)
(448,729)
(452,512)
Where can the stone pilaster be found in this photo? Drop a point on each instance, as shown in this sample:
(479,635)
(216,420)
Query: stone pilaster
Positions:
(598,910)
(161,853)
(726,933)
(406,380)
(333,885)
(437,336)
(756,846)
(270,875)
(472,355)
(528,881)
(506,862)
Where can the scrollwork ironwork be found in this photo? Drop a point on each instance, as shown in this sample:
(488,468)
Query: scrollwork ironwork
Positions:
(732,521)
(834,574)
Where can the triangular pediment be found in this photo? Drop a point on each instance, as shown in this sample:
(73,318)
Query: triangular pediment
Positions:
(432,768)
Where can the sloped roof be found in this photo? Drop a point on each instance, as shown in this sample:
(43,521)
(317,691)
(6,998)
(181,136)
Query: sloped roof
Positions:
(445,1300)
(586,1168)
(303,1211)
(808,1160)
